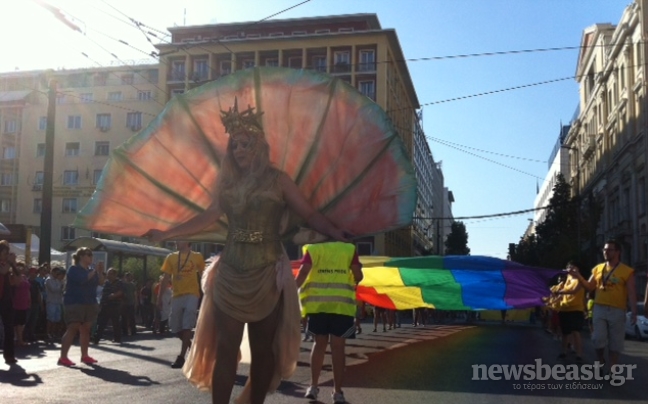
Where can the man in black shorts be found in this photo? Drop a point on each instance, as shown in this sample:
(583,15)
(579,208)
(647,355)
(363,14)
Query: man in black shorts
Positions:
(327,278)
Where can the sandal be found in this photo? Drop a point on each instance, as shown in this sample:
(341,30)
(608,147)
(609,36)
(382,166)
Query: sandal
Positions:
(65,362)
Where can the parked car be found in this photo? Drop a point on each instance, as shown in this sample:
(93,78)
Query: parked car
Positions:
(640,329)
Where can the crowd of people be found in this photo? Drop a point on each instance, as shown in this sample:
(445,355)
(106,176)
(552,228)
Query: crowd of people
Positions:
(54,305)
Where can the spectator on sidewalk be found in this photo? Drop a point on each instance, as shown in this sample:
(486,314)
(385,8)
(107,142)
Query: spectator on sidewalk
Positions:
(146,304)
(80,304)
(112,298)
(21,303)
(327,279)
(54,303)
(129,306)
(8,279)
(35,309)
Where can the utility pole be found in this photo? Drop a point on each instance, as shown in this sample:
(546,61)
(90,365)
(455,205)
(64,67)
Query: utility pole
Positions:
(48,178)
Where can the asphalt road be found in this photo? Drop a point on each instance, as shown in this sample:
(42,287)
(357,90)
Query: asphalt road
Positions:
(413,365)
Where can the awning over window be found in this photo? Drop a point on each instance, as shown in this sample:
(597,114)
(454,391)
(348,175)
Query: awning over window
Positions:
(118,247)
(10,96)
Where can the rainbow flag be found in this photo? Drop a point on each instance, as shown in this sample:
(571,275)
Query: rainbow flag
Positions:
(452,283)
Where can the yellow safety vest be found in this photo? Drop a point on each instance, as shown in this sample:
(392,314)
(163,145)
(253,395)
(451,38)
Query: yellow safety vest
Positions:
(329,287)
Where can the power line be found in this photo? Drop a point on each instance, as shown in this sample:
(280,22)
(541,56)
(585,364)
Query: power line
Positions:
(483,151)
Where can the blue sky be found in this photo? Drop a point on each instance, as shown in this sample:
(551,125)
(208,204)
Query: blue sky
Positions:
(522,123)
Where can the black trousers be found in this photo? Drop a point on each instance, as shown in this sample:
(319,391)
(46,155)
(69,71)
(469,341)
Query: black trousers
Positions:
(112,313)
(128,319)
(7,314)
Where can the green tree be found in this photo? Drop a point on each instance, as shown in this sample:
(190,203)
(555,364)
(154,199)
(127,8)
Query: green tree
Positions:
(136,267)
(557,239)
(457,241)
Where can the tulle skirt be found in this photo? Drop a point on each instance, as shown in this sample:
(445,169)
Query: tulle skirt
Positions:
(248,297)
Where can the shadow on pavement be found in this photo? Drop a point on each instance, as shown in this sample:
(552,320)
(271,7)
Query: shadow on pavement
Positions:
(117,376)
(448,365)
(18,377)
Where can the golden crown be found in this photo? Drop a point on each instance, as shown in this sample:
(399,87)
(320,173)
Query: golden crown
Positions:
(246,121)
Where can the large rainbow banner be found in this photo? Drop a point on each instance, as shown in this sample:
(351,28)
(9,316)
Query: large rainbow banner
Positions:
(452,283)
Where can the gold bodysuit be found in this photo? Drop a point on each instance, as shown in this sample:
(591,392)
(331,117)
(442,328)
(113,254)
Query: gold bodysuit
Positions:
(253,236)
(245,286)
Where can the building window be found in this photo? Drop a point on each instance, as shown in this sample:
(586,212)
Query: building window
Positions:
(10,126)
(276,34)
(144,96)
(86,97)
(38,178)
(70,177)
(367,61)
(38,205)
(115,96)
(96,175)
(319,63)
(100,79)
(9,152)
(134,120)
(225,67)
(368,88)
(299,32)
(74,122)
(69,205)
(178,70)
(5,206)
(104,121)
(68,233)
(176,91)
(7,179)
(342,61)
(247,63)
(61,98)
(40,150)
(72,149)
(153,76)
(346,29)
(127,79)
(295,62)
(42,123)
(273,62)
(201,70)
(322,31)
(102,148)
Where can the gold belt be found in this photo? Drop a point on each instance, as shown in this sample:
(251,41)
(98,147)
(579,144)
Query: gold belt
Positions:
(249,236)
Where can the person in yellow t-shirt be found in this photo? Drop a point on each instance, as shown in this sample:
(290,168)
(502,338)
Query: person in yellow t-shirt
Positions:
(571,314)
(614,283)
(183,269)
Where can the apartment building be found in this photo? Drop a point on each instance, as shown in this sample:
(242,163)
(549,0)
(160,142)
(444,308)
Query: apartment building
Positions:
(354,48)
(96,111)
(558,163)
(608,139)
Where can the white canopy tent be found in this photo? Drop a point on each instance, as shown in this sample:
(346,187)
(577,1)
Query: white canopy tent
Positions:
(19,250)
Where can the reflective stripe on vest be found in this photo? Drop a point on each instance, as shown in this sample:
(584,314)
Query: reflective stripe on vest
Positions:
(329,287)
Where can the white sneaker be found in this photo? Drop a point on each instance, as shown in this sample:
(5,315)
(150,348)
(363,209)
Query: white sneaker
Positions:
(311,392)
(338,398)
